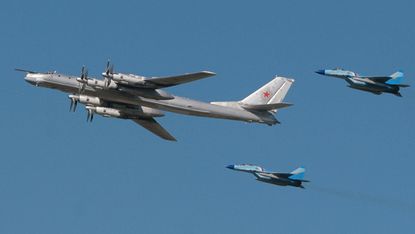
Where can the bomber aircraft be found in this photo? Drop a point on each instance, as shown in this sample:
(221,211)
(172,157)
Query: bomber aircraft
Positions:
(141,99)
(294,178)
(374,84)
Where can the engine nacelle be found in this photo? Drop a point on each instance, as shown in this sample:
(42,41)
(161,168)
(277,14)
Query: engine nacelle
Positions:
(101,84)
(108,112)
(132,80)
(96,101)
(127,113)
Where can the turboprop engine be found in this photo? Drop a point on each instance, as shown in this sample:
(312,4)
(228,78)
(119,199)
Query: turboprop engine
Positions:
(130,79)
(123,113)
(87,100)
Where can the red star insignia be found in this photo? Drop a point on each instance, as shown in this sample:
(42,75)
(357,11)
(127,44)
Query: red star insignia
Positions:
(266,94)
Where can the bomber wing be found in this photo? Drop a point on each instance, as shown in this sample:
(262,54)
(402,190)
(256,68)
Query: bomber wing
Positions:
(169,81)
(153,126)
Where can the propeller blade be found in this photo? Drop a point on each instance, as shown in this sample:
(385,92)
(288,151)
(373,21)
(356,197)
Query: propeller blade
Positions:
(74,106)
(111,68)
(88,115)
(84,79)
(82,72)
(71,106)
(107,67)
(81,87)
(108,73)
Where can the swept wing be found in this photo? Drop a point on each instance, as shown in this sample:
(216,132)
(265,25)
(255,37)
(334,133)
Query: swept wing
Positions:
(153,126)
(169,81)
(380,79)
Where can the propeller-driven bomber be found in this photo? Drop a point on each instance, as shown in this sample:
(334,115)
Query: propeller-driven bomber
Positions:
(141,99)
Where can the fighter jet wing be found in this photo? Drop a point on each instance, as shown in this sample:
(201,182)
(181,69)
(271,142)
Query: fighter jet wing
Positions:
(281,175)
(153,126)
(381,79)
(180,79)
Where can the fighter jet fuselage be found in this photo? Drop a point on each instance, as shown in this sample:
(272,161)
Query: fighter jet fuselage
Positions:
(374,84)
(294,178)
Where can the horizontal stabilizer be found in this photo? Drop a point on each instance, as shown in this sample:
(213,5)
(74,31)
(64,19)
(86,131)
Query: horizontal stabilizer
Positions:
(266,107)
(180,79)
(401,85)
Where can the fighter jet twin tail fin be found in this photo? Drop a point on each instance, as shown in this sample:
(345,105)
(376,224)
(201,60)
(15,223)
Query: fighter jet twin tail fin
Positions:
(298,174)
(394,79)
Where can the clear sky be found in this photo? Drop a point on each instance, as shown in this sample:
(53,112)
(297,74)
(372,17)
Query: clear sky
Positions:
(59,174)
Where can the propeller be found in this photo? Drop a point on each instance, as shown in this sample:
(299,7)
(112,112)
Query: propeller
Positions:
(90,113)
(109,71)
(83,79)
(74,102)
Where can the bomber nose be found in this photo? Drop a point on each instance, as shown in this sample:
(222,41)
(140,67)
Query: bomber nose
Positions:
(321,72)
(230,167)
(30,79)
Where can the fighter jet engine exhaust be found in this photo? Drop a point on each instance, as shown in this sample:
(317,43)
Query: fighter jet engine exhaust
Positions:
(364,197)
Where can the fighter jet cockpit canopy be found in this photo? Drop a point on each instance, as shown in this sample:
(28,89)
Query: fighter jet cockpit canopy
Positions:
(252,167)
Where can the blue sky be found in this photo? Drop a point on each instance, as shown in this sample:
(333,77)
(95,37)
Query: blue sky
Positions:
(59,174)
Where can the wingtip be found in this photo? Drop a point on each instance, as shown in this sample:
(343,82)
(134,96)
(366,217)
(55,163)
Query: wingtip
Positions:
(209,73)
(23,70)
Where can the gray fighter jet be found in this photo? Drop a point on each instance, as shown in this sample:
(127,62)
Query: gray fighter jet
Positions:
(294,178)
(141,99)
(374,84)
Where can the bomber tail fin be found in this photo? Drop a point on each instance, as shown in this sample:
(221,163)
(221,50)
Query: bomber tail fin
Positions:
(269,96)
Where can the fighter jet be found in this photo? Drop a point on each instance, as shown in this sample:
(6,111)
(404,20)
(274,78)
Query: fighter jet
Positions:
(374,84)
(142,99)
(294,178)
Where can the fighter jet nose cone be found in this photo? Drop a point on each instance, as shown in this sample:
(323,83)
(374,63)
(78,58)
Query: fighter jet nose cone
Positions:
(321,72)
(230,166)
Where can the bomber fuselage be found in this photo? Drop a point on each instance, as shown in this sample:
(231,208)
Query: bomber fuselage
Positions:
(161,99)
